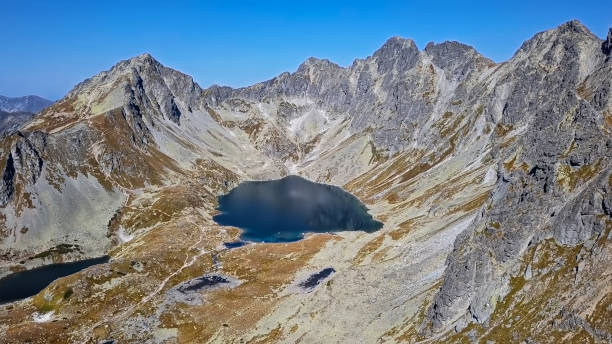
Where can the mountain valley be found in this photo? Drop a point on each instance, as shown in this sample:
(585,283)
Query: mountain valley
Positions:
(492,180)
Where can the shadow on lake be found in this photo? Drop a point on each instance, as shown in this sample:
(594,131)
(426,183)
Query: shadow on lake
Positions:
(30,282)
(283,210)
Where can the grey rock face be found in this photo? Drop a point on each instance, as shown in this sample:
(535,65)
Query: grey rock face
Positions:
(150,93)
(24,158)
(27,155)
(391,93)
(455,58)
(585,216)
(151,86)
(396,54)
(8,181)
(525,203)
(606,46)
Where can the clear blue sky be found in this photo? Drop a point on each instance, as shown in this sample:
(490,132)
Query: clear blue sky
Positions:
(49,46)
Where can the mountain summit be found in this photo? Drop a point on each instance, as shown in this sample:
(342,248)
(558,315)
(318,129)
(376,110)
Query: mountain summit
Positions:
(493,181)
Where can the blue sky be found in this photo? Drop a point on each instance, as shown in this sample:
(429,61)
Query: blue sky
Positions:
(49,46)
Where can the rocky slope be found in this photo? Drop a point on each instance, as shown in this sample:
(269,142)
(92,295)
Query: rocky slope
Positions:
(492,180)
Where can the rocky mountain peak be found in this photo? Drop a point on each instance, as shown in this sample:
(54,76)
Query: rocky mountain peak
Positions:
(574,26)
(446,48)
(606,46)
(134,67)
(398,53)
(138,61)
(143,58)
(570,34)
(455,58)
(396,46)
(139,80)
(313,63)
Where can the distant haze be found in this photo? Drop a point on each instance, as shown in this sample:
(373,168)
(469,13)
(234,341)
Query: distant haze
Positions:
(31,104)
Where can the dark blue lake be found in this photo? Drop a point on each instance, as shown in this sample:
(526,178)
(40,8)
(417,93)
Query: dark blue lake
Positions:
(283,210)
(30,282)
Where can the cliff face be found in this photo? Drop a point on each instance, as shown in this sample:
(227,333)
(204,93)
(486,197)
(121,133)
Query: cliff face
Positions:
(493,181)
(554,175)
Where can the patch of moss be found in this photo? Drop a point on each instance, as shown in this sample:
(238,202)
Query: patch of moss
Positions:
(569,178)
(501,130)
(68,293)
(479,110)
(368,248)
(473,204)
(57,250)
(509,165)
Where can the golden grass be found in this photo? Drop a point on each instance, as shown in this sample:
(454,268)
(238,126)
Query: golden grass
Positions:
(501,130)
(368,249)
(526,311)
(263,269)
(569,178)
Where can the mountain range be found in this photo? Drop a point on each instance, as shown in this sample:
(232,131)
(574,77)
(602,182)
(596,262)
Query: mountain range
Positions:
(18,110)
(31,104)
(492,180)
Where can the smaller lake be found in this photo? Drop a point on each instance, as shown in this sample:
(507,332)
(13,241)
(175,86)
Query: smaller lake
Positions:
(28,283)
(283,210)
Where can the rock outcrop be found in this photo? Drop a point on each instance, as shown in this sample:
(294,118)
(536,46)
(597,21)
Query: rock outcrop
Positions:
(553,172)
